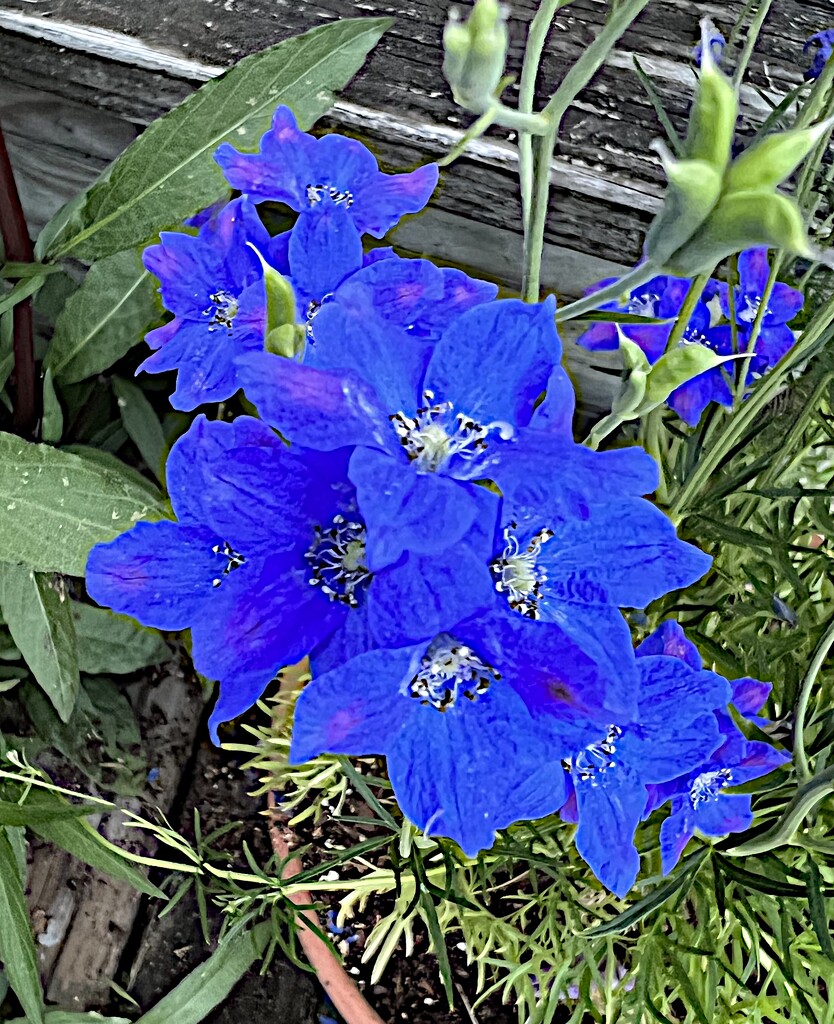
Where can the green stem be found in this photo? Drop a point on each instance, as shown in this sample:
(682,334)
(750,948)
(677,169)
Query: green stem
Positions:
(693,297)
(572,84)
(750,42)
(755,330)
(817,661)
(812,338)
(474,131)
(536,38)
(633,279)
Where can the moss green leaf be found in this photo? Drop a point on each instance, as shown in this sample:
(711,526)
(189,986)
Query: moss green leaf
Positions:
(17,946)
(113,643)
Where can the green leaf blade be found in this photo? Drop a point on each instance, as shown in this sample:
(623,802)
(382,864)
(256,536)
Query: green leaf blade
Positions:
(169,172)
(56,505)
(37,612)
(17,947)
(114,643)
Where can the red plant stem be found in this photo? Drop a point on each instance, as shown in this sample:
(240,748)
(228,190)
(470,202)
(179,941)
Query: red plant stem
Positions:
(339,986)
(17,247)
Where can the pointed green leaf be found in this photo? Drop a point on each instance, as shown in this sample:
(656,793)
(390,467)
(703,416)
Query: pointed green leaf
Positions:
(17,946)
(68,1017)
(142,425)
(56,505)
(38,613)
(772,160)
(169,172)
(677,367)
(103,319)
(114,643)
(209,984)
(52,425)
(33,812)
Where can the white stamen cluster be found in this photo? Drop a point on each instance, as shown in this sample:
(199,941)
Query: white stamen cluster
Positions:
(708,785)
(448,671)
(223,309)
(518,574)
(233,561)
(315,194)
(596,759)
(337,561)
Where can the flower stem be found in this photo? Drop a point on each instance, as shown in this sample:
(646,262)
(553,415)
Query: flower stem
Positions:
(750,42)
(17,248)
(633,279)
(817,660)
(572,84)
(693,297)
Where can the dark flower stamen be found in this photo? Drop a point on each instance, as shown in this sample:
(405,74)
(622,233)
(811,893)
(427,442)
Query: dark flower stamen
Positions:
(450,670)
(233,561)
(315,194)
(596,759)
(337,561)
(223,310)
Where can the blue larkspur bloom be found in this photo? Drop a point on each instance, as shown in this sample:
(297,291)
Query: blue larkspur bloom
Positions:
(673,730)
(267,560)
(427,422)
(698,798)
(822,43)
(662,298)
(214,285)
(333,183)
(452,713)
(716,42)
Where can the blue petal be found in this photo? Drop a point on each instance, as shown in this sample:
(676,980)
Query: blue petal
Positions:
(236,694)
(759,759)
(493,362)
(771,345)
(610,807)
(627,550)
(784,303)
(405,510)
(556,412)
(423,595)
(398,290)
(602,337)
(660,753)
(691,398)
(352,339)
(675,833)
(281,171)
(440,762)
(313,408)
(357,708)
(749,695)
(669,683)
(723,814)
(382,199)
(670,639)
(158,573)
(651,338)
(324,249)
(263,618)
(753,271)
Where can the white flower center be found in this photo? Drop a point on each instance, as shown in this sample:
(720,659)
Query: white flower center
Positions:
(450,670)
(708,785)
(337,561)
(517,573)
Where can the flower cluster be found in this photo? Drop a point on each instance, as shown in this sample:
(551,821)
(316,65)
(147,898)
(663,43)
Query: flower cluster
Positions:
(411,511)
(723,320)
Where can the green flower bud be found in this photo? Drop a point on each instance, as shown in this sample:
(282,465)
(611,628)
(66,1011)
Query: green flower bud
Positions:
(629,400)
(714,112)
(474,54)
(676,367)
(694,189)
(739,221)
(774,158)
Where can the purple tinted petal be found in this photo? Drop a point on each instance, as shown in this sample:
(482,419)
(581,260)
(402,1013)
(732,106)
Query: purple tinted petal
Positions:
(236,694)
(159,573)
(784,303)
(602,337)
(669,639)
(610,807)
(312,407)
(675,833)
(759,759)
(398,290)
(723,814)
(651,338)
(556,412)
(679,747)
(753,271)
(405,510)
(771,345)
(749,695)
(691,398)
(357,708)
(669,686)
(381,201)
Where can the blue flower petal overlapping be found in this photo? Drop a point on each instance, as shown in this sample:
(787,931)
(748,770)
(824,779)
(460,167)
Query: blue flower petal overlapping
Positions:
(411,512)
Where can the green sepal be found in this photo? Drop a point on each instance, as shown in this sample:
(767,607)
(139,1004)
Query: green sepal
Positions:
(286,340)
(770,161)
(740,221)
(633,391)
(714,112)
(474,54)
(676,367)
(693,192)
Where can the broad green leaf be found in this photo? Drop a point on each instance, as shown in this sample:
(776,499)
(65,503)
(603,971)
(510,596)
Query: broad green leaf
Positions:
(209,984)
(38,613)
(17,946)
(52,425)
(114,643)
(142,425)
(56,505)
(104,319)
(23,290)
(77,837)
(169,173)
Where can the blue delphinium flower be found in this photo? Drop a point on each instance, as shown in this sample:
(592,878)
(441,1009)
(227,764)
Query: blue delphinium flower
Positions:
(674,729)
(775,337)
(447,713)
(699,803)
(267,560)
(716,42)
(333,183)
(214,285)
(662,298)
(823,45)
(428,422)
